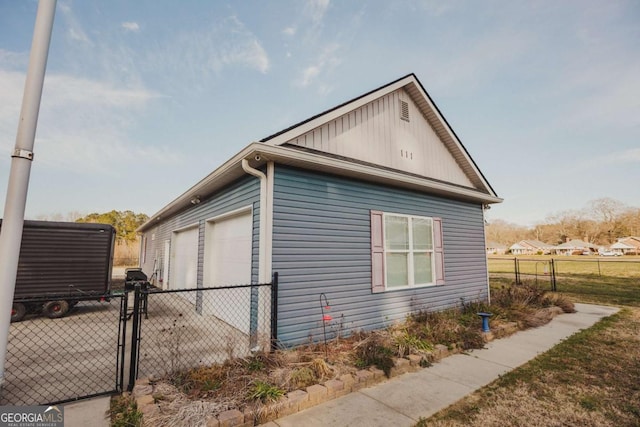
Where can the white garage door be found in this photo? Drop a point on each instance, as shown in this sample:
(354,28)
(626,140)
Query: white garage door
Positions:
(228,262)
(184,260)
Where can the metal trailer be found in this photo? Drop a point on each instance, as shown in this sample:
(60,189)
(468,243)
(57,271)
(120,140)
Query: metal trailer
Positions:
(60,264)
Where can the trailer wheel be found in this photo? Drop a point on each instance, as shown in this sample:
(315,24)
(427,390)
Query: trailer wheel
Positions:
(55,309)
(18,310)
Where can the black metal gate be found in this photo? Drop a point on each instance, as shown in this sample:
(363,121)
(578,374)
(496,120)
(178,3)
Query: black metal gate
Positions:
(540,271)
(174,330)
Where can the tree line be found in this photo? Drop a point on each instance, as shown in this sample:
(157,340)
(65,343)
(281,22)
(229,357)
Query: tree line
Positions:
(126,223)
(601,222)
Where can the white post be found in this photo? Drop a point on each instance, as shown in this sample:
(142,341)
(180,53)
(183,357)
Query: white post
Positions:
(13,221)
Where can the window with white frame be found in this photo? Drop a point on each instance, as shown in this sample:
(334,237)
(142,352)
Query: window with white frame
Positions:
(406,251)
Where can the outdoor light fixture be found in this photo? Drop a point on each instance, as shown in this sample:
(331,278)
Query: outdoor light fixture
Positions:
(195,200)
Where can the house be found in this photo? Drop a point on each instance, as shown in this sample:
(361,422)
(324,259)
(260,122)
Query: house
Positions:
(495,248)
(530,247)
(627,245)
(375,203)
(574,245)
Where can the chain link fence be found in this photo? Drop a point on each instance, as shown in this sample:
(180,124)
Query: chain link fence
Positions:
(615,281)
(90,351)
(188,328)
(58,360)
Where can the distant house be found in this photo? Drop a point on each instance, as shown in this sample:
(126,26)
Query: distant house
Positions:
(494,248)
(530,247)
(627,245)
(573,245)
(375,203)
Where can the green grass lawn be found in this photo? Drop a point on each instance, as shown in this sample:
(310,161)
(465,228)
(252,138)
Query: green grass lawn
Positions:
(628,266)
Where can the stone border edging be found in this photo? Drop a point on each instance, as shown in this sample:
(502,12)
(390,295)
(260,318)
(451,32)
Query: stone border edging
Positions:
(299,400)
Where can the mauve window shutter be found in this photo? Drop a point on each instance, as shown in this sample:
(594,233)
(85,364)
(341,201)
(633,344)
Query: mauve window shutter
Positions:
(438,250)
(377,252)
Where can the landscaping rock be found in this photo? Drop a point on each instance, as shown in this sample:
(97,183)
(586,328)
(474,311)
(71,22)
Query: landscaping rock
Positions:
(317,394)
(348,380)
(334,388)
(364,378)
(414,360)
(400,367)
(441,351)
(232,418)
(297,398)
(141,390)
(378,374)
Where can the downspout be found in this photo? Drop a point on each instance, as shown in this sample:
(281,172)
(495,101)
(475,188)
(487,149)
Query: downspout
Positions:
(486,207)
(262,240)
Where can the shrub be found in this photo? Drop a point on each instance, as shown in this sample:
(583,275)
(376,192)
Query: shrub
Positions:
(255,364)
(375,351)
(264,392)
(407,343)
(302,377)
(200,380)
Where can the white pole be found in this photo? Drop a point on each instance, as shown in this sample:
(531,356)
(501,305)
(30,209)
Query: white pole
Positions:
(13,221)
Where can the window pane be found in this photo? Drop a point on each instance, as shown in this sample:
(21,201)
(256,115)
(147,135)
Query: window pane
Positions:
(396,233)
(422,235)
(397,274)
(422,272)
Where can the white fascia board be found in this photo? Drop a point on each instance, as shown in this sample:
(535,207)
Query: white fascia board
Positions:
(232,170)
(369,173)
(224,174)
(411,81)
(452,135)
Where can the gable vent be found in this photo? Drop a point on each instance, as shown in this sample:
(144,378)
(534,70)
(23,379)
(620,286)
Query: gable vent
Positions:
(404,111)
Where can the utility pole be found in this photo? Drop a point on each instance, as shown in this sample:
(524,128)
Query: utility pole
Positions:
(21,158)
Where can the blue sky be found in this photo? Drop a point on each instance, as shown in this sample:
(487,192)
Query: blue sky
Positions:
(142,99)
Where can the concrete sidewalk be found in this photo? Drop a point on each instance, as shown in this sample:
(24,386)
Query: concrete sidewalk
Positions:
(401,401)
(88,413)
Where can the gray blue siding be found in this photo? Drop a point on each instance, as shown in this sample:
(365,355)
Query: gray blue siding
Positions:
(321,243)
(243,192)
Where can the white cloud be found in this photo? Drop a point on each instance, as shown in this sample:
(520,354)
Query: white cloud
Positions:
(250,54)
(309,74)
(131,26)
(289,31)
(82,124)
(631,155)
(316,9)
(11,59)
(74,32)
(192,60)
(326,61)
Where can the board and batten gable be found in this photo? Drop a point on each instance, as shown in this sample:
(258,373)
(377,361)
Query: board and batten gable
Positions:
(384,133)
(322,244)
(242,193)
